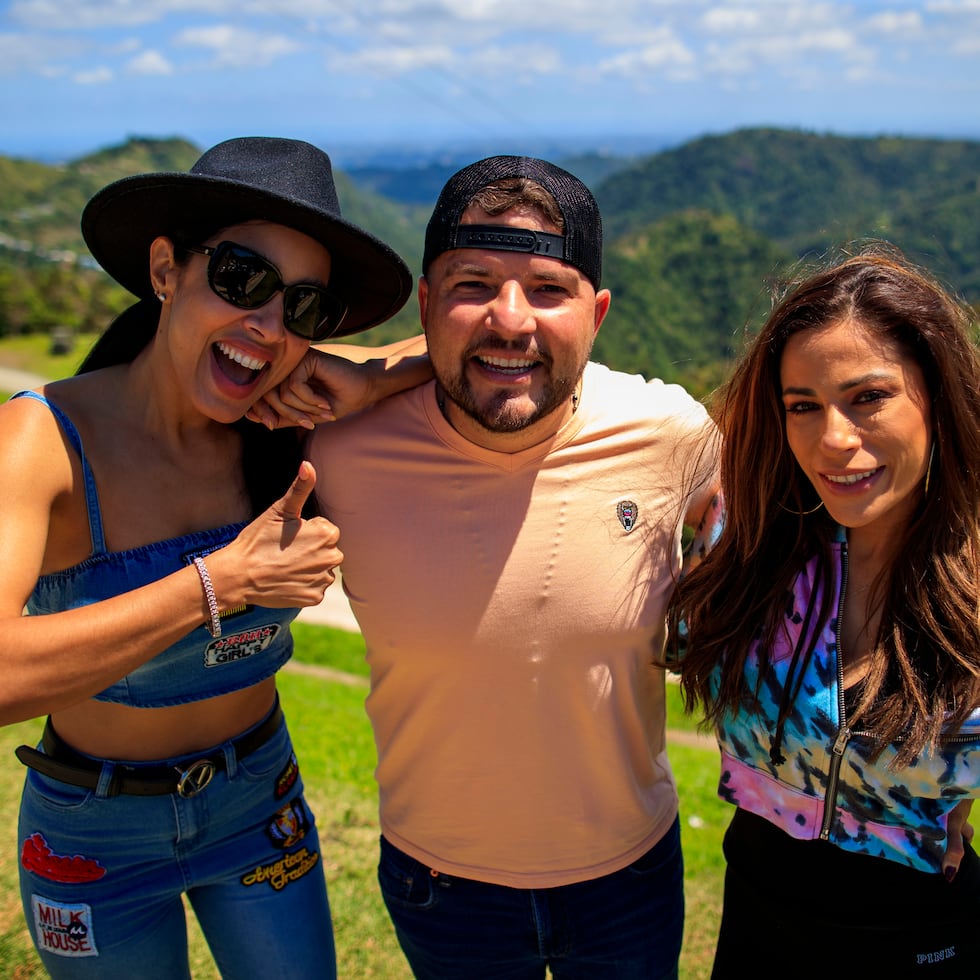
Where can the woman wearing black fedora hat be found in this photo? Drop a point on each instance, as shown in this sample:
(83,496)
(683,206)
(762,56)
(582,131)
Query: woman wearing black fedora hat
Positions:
(160,545)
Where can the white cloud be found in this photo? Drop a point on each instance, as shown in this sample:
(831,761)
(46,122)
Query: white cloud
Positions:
(728,20)
(966,47)
(663,53)
(953,7)
(533,59)
(838,42)
(505,16)
(34,53)
(799,40)
(485,61)
(83,15)
(149,63)
(235,47)
(393,59)
(896,22)
(94,76)
(89,15)
(783,17)
(126,46)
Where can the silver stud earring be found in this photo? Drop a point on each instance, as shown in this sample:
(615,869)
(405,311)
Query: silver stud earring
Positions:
(162,297)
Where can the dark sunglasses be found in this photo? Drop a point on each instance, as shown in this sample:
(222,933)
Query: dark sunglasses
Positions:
(247,280)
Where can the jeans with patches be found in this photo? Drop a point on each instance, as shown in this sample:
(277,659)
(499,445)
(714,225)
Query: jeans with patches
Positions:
(102,877)
(623,926)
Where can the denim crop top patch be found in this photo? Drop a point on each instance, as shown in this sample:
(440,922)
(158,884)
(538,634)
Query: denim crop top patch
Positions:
(254,643)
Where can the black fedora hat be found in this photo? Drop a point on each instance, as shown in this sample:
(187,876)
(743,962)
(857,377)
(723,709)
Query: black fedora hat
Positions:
(253,178)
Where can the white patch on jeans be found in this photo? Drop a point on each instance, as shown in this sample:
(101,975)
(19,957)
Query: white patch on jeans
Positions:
(63,929)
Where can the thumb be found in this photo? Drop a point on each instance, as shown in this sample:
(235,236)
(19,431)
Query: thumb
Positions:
(291,503)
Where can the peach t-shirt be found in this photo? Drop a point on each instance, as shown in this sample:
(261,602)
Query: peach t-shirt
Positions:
(511,604)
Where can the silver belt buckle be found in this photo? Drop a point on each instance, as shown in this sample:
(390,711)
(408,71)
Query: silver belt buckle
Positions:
(195,777)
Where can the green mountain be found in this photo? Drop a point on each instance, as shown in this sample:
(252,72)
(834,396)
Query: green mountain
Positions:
(42,204)
(683,287)
(725,217)
(795,187)
(695,236)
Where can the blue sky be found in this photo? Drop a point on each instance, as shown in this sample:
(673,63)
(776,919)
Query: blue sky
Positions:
(77,75)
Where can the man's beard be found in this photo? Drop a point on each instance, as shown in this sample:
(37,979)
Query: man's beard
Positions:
(502,413)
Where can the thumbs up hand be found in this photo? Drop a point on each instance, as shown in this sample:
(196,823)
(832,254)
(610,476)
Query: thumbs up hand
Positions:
(280,560)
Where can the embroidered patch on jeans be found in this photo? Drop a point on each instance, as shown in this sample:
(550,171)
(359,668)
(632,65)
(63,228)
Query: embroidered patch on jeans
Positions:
(239,646)
(289,868)
(62,929)
(286,780)
(37,856)
(289,825)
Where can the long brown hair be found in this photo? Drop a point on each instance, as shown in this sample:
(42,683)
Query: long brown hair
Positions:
(925,671)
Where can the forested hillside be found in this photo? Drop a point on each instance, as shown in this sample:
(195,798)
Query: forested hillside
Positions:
(721,217)
(695,236)
(798,187)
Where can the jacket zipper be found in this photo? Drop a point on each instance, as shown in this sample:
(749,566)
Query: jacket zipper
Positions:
(843,733)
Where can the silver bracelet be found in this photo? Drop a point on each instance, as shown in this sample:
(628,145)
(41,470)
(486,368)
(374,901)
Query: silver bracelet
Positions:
(214,627)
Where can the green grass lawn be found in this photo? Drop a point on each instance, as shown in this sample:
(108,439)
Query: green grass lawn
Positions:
(333,742)
(32,352)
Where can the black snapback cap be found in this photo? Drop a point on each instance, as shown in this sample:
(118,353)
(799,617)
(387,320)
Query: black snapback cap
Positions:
(580,245)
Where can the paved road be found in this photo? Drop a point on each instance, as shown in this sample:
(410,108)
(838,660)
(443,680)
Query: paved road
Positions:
(333,611)
(12,380)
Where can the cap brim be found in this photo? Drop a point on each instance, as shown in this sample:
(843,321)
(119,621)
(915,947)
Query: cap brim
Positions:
(121,221)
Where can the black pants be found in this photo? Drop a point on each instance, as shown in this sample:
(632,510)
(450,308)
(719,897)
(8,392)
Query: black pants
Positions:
(800,909)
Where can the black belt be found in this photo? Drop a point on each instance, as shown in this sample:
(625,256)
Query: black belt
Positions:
(60,761)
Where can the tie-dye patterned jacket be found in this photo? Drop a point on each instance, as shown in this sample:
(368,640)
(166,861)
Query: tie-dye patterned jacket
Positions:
(826,787)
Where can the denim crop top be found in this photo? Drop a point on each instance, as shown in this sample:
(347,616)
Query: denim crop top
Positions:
(253,645)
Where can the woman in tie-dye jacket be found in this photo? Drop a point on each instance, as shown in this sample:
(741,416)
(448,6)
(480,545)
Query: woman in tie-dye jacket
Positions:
(833,633)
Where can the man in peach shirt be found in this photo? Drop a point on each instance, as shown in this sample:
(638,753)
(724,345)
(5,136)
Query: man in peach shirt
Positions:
(511,533)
